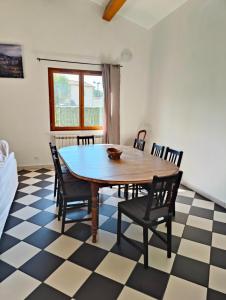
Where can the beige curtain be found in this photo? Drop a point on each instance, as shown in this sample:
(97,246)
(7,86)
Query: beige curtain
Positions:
(111,83)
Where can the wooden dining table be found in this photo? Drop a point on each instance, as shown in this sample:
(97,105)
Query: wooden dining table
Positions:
(91,163)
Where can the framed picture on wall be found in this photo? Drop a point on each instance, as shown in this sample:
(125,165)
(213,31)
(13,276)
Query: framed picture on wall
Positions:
(11,64)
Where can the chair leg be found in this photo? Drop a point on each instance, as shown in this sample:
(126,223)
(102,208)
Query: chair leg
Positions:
(174,209)
(55,185)
(119,191)
(119,227)
(126,194)
(137,189)
(145,244)
(133,190)
(64,216)
(60,206)
(58,197)
(98,207)
(169,237)
(89,206)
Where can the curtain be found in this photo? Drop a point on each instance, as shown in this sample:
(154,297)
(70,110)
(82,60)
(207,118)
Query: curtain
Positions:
(111,84)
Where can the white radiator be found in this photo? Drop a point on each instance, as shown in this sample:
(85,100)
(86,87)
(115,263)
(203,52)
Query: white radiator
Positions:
(70,140)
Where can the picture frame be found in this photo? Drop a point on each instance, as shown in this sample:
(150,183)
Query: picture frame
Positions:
(11,62)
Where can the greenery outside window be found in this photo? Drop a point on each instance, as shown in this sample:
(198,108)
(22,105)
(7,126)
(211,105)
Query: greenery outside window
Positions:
(76,99)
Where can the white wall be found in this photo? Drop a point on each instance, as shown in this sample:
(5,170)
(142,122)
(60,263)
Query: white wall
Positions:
(187,102)
(74,30)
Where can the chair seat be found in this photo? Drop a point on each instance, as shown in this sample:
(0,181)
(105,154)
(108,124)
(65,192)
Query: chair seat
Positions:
(136,208)
(77,190)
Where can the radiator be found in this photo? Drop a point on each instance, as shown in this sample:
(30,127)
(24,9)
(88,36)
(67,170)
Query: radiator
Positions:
(70,140)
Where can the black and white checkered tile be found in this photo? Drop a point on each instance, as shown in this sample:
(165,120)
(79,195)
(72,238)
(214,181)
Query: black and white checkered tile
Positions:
(37,262)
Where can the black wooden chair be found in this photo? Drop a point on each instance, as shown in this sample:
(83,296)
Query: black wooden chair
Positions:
(152,210)
(65,172)
(139,143)
(85,139)
(157,150)
(72,194)
(173,156)
(53,150)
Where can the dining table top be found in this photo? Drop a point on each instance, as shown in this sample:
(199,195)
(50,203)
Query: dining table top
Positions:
(91,163)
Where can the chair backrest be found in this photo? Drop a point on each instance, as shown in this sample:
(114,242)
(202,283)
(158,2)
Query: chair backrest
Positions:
(53,150)
(141,134)
(58,170)
(173,156)
(139,141)
(157,150)
(85,139)
(163,193)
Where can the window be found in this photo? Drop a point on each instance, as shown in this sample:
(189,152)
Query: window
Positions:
(76,99)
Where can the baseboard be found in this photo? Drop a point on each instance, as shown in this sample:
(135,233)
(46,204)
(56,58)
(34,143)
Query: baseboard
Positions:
(204,194)
(35,167)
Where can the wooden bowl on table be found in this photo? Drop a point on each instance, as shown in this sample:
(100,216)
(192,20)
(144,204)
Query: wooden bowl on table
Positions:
(114,153)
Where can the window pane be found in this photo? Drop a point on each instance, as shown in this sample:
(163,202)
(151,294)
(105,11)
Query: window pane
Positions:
(93,100)
(66,100)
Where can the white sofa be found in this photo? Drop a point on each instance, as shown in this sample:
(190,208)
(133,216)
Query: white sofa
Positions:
(8,187)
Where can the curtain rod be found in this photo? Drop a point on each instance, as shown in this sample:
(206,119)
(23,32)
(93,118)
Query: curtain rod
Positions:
(71,62)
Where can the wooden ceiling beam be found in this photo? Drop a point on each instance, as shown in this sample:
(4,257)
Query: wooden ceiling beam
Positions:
(112,8)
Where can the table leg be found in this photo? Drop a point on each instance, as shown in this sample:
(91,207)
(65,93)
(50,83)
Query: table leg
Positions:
(126,191)
(95,210)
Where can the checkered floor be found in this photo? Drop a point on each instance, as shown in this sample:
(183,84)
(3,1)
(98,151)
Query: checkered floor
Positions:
(37,262)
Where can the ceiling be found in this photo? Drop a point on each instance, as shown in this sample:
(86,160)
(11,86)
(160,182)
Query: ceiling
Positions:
(146,13)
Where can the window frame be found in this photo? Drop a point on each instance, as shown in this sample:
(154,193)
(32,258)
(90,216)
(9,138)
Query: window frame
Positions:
(81,74)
